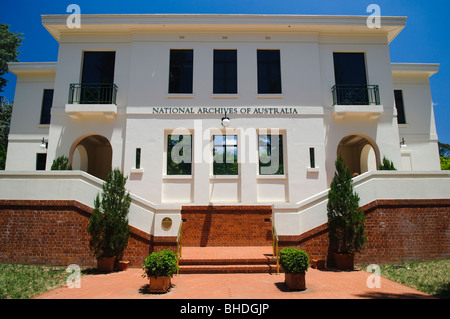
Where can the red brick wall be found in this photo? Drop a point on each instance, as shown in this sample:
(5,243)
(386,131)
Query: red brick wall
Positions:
(54,233)
(227,226)
(396,230)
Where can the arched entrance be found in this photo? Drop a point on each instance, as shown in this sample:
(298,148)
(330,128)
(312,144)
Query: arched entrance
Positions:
(92,154)
(360,153)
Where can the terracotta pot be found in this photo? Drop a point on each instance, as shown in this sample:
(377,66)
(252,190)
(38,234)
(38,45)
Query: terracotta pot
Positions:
(295,281)
(318,263)
(122,265)
(344,261)
(159,284)
(105,264)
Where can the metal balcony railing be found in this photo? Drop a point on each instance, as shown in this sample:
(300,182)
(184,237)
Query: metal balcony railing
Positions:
(356,95)
(81,93)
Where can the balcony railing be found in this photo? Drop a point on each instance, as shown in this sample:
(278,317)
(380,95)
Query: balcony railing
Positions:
(81,93)
(356,95)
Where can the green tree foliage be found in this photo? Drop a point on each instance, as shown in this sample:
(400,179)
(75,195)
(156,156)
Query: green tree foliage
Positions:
(61,164)
(444,153)
(387,165)
(108,225)
(5,121)
(9,45)
(345,218)
(445,163)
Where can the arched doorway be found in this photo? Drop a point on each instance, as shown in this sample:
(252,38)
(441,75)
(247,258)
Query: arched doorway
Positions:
(360,153)
(92,154)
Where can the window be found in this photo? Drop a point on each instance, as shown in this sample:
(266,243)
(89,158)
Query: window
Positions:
(181,71)
(269,73)
(225,155)
(179,155)
(97,78)
(41,159)
(138,158)
(312,158)
(225,71)
(270,154)
(398,94)
(351,79)
(47,102)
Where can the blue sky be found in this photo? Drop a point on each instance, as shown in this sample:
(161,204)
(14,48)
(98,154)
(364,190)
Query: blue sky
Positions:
(424,40)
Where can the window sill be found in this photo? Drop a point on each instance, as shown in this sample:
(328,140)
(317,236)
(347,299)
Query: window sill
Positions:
(225,96)
(180,96)
(177,177)
(270,96)
(312,170)
(224,177)
(137,171)
(272,177)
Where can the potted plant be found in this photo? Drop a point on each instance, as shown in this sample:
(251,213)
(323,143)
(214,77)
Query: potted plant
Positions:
(159,268)
(108,226)
(295,263)
(345,218)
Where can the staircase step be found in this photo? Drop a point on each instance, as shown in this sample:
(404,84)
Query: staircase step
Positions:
(224,269)
(227,260)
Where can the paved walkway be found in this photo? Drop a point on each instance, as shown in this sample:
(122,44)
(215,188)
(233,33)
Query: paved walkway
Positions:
(321,284)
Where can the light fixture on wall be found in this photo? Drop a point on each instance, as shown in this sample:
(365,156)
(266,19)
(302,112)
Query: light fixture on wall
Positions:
(225,120)
(44,144)
(403,143)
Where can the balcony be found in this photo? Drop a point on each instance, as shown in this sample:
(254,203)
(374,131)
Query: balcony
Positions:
(92,99)
(357,100)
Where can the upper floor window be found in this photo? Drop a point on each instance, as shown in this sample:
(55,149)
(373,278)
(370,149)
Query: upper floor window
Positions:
(271,154)
(98,67)
(225,155)
(398,94)
(181,71)
(225,71)
(269,72)
(47,102)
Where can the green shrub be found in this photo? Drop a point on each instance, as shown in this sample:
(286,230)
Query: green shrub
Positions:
(61,164)
(108,226)
(345,218)
(387,165)
(160,264)
(294,261)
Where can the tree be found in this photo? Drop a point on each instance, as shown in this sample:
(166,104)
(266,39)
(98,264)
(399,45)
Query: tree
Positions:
(108,225)
(444,149)
(5,120)
(345,218)
(61,164)
(387,165)
(9,45)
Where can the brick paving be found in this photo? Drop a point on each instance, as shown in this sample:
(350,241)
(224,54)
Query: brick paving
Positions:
(321,284)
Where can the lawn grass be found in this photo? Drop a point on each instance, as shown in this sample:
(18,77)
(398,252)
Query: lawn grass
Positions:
(26,281)
(432,277)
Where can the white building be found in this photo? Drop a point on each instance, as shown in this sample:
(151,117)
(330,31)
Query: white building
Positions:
(316,85)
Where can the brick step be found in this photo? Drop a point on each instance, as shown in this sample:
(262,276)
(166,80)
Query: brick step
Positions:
(227,269)
(224,261)
(210,260)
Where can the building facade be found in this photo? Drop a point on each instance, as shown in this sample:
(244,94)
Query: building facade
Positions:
(147,94)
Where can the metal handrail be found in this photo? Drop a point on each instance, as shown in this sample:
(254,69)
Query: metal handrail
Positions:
(92,93)
(355,94)
(275,250)
(179,247)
